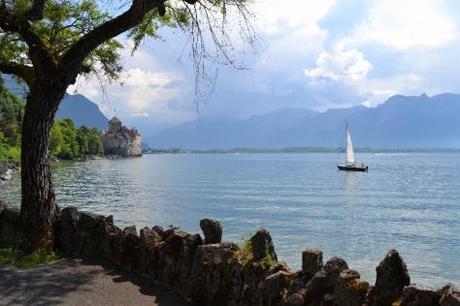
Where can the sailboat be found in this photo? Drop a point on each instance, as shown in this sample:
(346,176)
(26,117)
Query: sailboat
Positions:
(350,163)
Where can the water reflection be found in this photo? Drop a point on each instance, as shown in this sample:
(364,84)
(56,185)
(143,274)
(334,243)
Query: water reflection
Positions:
(350,182)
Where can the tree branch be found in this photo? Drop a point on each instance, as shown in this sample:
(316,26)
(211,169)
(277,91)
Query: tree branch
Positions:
(36,11)
(72,59)
(25,72)
(39,54)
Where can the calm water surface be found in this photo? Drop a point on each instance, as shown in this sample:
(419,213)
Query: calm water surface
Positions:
(409,202)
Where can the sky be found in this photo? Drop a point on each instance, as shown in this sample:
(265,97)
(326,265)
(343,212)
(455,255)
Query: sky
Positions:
(309,54)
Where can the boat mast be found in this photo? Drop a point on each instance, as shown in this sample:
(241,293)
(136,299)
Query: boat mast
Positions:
(350,153)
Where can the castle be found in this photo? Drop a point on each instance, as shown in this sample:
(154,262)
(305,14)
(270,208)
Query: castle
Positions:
(121,141)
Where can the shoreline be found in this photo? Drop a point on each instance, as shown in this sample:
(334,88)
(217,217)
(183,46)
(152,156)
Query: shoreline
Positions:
(293,150)
(204,270)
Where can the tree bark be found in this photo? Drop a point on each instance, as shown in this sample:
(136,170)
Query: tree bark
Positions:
(38,207)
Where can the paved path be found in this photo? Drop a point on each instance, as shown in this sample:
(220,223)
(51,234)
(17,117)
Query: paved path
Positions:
(73,282)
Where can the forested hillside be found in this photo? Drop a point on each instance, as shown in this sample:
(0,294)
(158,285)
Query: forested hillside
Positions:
(10,124)
(66,140)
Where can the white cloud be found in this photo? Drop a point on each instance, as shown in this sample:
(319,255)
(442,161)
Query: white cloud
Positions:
(340,65)
(406,24)
(377,90)
(144,99)
(291,35)
(275,16)
(139,89)
(143,78)
(411,29)
(142,114)
(142,88)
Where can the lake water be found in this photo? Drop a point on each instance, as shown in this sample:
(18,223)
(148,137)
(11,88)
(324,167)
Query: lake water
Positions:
(408,202)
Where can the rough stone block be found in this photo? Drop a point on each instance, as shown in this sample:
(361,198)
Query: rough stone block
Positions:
(130,249)
(211,278)
(262,245)
(212,230)
(275,285)
(392,277)
(312,261)
(8,226)
(450,296)
(68,236)
(415,295)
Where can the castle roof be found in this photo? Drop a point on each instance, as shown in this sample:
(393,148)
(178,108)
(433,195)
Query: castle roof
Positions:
(115,120)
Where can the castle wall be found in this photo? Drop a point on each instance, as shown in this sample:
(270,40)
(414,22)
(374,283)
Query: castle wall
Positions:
(115,146)
(119,140)
(135,149)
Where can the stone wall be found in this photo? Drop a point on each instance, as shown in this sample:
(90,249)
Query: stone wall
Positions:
(211,272)
(136,148)
(115,146)
(123,143)
(8,219)
(122,146)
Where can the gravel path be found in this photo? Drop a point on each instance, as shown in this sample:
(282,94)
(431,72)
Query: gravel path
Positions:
(73,282)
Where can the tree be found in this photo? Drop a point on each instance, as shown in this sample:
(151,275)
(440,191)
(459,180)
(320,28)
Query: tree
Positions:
(68,142)
(10,124)
(83,139)
(56,140)
(49,43)
(94,142)
(69,147)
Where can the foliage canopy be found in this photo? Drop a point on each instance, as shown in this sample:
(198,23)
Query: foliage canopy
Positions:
(11,109)
(68,142)
(82,37)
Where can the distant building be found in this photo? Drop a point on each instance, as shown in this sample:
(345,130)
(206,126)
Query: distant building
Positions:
(122,141)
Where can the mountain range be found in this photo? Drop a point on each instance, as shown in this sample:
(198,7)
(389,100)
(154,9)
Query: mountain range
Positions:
(82,111)
(399,122)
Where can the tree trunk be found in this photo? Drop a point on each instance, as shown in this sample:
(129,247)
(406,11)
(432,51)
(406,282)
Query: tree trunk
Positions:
(38,208)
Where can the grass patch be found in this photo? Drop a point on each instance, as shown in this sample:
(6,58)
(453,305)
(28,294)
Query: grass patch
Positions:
(244,253)
(14,258)
(9,154)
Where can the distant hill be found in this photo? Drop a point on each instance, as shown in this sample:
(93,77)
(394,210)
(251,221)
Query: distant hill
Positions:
(80,109)
(218,132)
(400,122)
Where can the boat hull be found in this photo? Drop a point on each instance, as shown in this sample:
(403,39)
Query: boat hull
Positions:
(355,168)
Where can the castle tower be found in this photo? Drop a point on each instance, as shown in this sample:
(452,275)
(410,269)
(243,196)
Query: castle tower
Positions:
(114,125)
(121,141)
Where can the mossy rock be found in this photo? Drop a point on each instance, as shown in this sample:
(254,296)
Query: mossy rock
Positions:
(10,215)
(8,223)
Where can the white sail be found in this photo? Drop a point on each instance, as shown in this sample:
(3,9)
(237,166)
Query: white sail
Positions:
(350,153)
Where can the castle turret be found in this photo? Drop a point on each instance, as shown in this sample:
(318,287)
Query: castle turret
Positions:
(114,125)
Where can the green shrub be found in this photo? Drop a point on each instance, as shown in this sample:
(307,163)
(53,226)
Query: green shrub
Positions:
(11,109)
(14,258)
